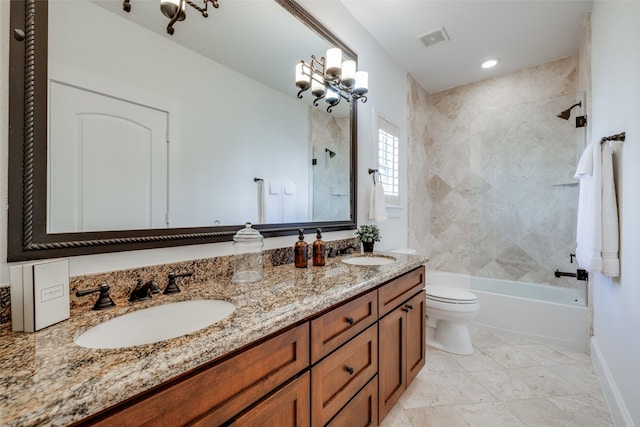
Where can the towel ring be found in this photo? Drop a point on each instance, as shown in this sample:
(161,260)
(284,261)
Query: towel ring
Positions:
(373,173)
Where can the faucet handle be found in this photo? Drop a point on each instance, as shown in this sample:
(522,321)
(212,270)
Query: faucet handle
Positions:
(172,287)
(141,292)
(154,287)
(104,300)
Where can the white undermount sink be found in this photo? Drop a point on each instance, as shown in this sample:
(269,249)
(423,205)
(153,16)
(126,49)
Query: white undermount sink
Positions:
(370,260)
(155,324)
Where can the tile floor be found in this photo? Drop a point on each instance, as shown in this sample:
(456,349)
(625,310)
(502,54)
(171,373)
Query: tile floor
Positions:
(508,381)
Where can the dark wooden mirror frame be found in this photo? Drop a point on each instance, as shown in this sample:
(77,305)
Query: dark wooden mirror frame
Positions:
(27,231)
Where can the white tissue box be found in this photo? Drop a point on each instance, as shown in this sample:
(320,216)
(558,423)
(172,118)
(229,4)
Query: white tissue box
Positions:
(39,295)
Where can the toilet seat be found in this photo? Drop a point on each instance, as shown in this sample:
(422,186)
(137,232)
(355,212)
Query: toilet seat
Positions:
(450,295)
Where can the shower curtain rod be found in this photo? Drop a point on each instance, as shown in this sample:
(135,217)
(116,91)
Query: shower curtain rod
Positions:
(617,137)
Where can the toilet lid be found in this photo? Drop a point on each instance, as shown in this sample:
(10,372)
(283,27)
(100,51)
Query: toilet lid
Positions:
(450,294)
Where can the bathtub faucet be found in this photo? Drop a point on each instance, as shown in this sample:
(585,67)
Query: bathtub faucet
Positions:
(580,274)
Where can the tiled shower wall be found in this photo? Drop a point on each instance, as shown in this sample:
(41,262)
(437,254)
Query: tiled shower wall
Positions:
(498,175)
(331,185)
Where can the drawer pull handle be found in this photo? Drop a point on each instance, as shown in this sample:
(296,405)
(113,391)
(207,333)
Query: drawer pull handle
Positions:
(350,320)
(405,309)
(409,306)
(350,370)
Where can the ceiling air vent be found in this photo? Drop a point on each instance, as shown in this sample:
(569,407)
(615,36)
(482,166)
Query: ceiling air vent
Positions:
(433,37)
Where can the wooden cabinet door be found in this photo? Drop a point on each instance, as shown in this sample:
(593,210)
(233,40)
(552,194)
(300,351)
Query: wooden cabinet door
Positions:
(361,411)
(288,407)
(391,360)
(416,335)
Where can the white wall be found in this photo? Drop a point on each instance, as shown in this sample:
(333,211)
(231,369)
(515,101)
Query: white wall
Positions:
(616,93)
(388,95)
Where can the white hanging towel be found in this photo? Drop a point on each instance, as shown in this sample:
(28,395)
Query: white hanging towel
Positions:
(597,225)
(588,234)
(261,198)
(610,230)
(377,204)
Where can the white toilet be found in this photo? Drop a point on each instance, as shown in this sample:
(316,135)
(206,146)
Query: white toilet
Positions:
(449,310)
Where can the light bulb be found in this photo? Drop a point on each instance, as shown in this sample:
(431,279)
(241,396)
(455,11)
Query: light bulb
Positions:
(317,87)
(332,96)
(303,76)
(362,83)
(333,63)
(348,73)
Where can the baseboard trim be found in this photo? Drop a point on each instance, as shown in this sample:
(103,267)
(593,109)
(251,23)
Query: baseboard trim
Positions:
(619,412)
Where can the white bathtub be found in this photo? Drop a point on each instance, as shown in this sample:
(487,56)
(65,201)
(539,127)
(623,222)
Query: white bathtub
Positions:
(549,314)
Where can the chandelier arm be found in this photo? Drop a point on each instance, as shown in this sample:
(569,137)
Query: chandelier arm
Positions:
(330,107)
(173,20)
(202,10)
(300,92)
(318,98)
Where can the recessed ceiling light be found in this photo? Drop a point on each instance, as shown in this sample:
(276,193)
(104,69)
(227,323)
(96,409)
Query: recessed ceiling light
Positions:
(489,63)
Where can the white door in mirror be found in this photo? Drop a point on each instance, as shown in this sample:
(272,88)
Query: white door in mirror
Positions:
(155,324)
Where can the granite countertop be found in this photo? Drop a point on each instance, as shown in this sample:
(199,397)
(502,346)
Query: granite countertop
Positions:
(49,380)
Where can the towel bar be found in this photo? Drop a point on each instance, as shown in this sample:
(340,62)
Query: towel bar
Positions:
(617,137)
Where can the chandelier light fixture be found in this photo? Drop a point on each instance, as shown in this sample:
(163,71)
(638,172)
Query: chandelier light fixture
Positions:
(175,10)
(332,78)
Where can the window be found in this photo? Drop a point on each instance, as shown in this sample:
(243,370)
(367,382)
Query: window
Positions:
(388,160)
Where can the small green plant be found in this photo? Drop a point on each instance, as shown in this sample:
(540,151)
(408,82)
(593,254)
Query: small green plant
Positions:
(368,233)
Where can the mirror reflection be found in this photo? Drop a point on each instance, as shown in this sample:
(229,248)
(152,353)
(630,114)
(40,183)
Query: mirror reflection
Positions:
(199,129)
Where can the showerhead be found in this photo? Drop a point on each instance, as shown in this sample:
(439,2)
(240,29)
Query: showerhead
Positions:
(332,154)
(567,113)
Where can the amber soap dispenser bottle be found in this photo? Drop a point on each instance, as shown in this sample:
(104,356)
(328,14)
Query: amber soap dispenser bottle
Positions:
(300,251)
(318,250)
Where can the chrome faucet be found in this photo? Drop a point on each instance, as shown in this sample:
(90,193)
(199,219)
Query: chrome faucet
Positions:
(143,291)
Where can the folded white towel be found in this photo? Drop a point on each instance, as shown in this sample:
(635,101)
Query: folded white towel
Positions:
(275,186)
(290,187)
(377,204)
(610,230)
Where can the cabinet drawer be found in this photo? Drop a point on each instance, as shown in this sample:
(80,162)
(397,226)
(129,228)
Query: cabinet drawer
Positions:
(399,290)
(362,410)
(336,379)
(222,390)
(288,407)
(338,326)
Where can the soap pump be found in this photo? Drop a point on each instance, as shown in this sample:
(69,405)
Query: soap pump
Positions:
(318,249)
(300,251)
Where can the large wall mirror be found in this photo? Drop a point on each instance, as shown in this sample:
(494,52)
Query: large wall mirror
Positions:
(123,137)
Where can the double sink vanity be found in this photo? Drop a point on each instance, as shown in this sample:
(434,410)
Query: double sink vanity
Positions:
(301,347)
